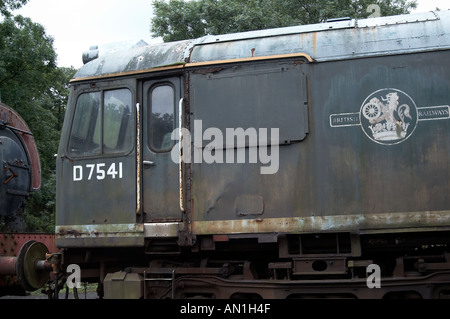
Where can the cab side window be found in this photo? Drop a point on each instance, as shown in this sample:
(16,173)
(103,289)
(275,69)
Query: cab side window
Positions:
(103,123)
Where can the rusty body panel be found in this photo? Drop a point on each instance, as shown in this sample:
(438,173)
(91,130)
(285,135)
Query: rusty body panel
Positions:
(337,170)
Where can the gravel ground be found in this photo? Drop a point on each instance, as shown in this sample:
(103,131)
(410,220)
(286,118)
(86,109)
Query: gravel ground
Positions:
(90,293)
(81,295)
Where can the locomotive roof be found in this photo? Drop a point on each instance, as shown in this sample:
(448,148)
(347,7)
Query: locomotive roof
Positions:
(336,40)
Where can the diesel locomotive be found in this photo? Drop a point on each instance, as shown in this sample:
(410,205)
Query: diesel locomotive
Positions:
(296,162)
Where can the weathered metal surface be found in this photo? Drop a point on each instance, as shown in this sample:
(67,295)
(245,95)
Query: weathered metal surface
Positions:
(135,59)
(315,266)
(15,179)
(10,248)
(97,183)
(20,171)
(160,179)
(139,161)
(360,164)
(155,230)
(334,41)
(262,95)
(428,287)
(31,277)
(109,235)
(7,266)
(28,268)
(361,224)
(323,42)
(348,167)
(123,285)
(342,166)
(10,244)
(10,118)
(80,201)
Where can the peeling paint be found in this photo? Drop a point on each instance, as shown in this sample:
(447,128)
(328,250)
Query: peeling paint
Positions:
(361,224)
(114,230)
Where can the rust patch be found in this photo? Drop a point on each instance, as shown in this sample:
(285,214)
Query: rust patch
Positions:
(314,43)
(10,244)
(362,223)
(208,71)
(69,232)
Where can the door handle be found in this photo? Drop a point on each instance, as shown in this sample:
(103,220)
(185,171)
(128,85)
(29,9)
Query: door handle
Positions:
(148,163)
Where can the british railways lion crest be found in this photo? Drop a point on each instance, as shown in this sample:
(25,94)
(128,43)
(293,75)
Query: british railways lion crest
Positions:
(389,116)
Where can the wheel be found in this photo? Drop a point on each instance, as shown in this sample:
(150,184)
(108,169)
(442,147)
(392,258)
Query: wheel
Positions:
(371,111)
(29,277)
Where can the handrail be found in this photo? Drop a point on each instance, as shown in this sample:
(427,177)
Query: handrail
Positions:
(180,149)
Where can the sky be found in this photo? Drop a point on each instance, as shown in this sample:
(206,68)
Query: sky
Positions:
(76,25)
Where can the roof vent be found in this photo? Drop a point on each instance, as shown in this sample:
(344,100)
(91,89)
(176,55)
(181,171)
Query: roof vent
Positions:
(91,54)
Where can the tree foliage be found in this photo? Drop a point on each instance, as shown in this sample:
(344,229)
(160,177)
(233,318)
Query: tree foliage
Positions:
(6,6)
(33,85)
(178,20)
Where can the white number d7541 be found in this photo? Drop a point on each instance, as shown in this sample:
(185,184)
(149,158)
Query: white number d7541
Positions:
(97,172)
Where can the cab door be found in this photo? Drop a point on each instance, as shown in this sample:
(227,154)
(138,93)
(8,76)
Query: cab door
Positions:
(96,169)
(160,182)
